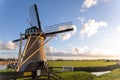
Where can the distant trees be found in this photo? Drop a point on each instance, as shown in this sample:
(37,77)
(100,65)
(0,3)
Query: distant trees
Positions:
(8,59)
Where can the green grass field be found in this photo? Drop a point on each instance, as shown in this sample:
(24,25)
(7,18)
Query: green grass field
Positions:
(83,63)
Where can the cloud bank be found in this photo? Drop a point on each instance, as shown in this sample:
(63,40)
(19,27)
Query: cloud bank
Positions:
(75,51)
(7,46)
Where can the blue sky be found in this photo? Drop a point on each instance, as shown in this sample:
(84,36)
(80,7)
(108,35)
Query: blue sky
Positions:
(96,23)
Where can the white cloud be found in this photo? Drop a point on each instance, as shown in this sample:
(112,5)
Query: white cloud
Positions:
(89,3)
(105,1)
(81,19)
(50,49)
(7,46)
(85,51)
(82,10)
(78,50)
(91,27)
(118,28)
(66,36)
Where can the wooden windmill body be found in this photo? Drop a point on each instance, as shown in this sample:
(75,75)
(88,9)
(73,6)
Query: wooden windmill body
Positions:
(33,56)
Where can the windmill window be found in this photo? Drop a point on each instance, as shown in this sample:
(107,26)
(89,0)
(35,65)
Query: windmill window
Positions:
(27,31)
(31,30)
(35,31)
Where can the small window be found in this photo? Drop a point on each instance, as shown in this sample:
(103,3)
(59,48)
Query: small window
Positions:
(35,31)
(27,31)
(31,30)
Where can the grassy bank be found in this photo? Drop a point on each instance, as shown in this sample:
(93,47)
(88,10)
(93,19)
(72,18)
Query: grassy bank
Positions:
(82,63)
(114,75)
(76,76)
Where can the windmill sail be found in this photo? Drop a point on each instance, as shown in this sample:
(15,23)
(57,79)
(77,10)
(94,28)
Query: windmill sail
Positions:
(23,38)
(58,28)
(34,17)
(35,22)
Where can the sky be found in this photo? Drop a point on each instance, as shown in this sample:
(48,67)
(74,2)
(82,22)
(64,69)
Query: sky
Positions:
(96,26)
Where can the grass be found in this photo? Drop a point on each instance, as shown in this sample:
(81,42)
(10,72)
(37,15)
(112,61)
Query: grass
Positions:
(66,75)
(83,63)
(114,75)
(7,70)
(76,76)
(79,75)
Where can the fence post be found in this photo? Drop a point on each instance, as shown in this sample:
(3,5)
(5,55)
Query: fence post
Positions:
(72,68)
(33,74)
(48,75)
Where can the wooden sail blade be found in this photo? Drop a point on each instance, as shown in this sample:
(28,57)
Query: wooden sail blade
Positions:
(57,32)
(18,39)
(34,17)
(58,28)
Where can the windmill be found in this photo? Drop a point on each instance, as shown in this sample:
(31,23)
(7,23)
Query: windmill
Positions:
(33,55)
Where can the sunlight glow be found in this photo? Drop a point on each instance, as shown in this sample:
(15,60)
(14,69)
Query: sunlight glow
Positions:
(111,45)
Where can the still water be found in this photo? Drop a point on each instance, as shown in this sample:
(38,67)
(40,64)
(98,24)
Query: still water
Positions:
(3,67)
(100,73)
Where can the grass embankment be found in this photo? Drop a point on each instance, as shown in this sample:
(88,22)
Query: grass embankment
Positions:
(76,76)
(82,63)
(114,75)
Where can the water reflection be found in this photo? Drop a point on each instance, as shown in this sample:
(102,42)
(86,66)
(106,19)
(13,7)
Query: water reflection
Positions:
(100,73)
(3,67)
